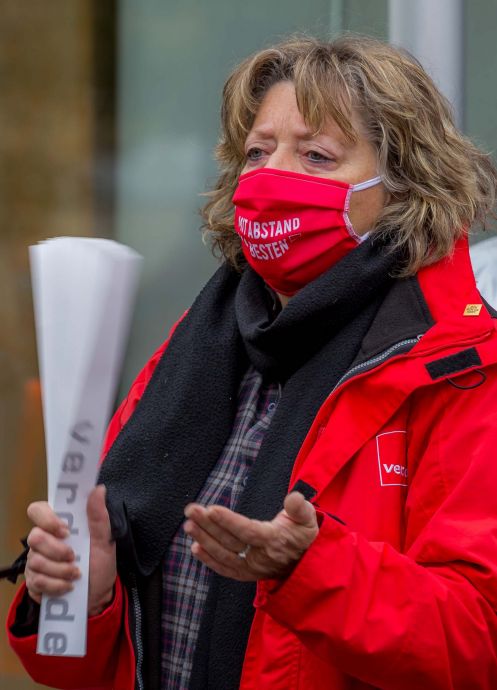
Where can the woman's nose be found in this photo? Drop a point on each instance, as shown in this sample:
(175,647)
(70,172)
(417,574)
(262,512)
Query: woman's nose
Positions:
(282,159)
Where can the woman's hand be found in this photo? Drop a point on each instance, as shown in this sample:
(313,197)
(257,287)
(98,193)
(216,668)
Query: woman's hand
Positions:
(51,569)
(234,546)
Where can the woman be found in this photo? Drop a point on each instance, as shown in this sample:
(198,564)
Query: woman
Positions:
(324,415)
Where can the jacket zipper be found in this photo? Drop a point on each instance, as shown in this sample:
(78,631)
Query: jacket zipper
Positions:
(395,350)
(137,630)
(375,361)
(354,371)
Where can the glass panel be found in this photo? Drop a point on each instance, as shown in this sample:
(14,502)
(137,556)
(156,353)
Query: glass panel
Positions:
(480,82)
(366,17)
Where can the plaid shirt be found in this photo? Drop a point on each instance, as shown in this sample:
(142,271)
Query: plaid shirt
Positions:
(185,579)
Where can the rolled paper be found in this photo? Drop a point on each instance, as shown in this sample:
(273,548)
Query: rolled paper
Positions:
(84,290)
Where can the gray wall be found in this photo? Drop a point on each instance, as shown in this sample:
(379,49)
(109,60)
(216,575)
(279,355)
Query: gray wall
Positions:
(481,72)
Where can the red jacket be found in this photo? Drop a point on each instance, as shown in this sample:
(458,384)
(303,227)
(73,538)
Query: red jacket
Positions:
(403,595)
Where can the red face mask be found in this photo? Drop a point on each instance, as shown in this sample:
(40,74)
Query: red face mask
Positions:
(294,227)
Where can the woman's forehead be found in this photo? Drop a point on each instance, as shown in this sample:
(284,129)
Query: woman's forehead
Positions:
(279,111)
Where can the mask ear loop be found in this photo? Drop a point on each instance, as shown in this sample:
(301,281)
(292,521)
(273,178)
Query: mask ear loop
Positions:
(366,184)
(357,188)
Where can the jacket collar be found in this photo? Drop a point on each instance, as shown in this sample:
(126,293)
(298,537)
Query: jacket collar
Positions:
(431,304)
(449,289)
(403,315)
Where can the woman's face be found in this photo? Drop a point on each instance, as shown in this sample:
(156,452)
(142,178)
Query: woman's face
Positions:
(280,139)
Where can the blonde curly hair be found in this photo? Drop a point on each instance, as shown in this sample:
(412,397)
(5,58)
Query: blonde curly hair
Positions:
(439,182)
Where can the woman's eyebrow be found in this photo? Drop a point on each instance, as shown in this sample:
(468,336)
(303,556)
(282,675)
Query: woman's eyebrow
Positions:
(328,141)
(264,131)
(267,132)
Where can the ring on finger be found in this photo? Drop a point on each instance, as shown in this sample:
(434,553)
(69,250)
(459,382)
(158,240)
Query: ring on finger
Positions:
(244,552)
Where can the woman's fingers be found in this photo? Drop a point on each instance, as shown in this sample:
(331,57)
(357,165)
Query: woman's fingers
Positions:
(38,584)
(202,516)
(58,570)
(33,595)
(299,510)
(218,567)
(103,568)
(241,528)
(46,576)
(50,567)
(49,546)
(212,545)
(98,516)
(44,517)
(275,546)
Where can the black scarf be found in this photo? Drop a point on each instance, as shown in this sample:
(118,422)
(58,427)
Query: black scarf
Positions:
(164,454)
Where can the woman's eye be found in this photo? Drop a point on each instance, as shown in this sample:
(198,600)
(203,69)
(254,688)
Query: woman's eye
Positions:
(254,154)
(316,157)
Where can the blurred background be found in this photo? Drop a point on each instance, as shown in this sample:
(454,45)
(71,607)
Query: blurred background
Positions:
(108,120)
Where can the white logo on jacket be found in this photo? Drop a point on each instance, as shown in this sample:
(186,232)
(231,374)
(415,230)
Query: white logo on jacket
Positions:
(390,450)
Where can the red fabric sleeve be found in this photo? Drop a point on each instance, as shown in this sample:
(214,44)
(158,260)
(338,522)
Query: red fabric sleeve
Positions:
(96,670)
(424,618)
